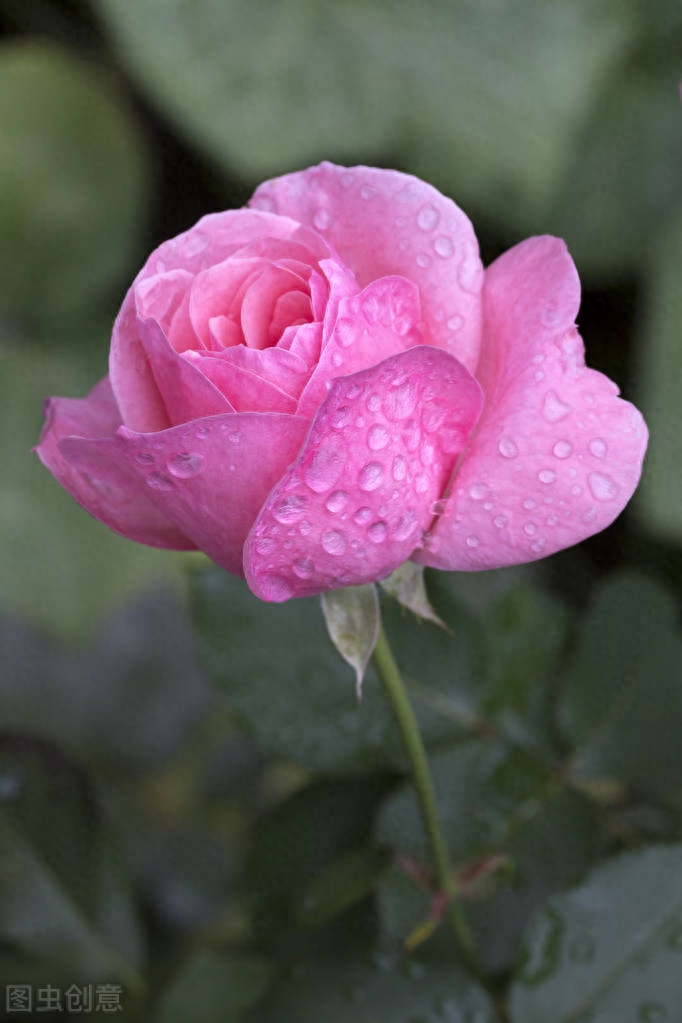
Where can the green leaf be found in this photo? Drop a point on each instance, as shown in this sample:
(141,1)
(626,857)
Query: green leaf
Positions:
(611,948)
(659,499)
(344,882)
(60,567)
(214,988)
(622,703)
(63,895)
(407,586)
(353,619)
(346,991)
(623,177)
(73,179)
(265,90)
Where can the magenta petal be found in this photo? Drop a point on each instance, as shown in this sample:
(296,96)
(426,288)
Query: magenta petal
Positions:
(210,477)
(557,454)
(245,391)
(356,502)
(101,484)
(277,366)
(381,321)
(383,222)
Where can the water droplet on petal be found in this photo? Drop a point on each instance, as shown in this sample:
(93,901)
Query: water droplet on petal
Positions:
(185,465)
(602,486)
(507,447)
(362,516)
(366,192)
(562,449)
(377,532)
(322,219)
(598,447)
(478,491)
(406,525)
(345,331)
(378,437)
(499,521)
(443,247)
(546,476)
(157,481)
(470,272)
(538,545)
(144,457)
(289,509)
(202,433)
(400,402)
(303,567)
(374,403)
(399,468)
(337,501)
(455,323)
(371,476)
(529,503)
(421,483)
(428,217)
(334,542)
(530,529)
(324,468)
(472,541)
(553,408)
(423,260)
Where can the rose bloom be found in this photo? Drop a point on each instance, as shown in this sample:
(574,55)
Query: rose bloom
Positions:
(318,387)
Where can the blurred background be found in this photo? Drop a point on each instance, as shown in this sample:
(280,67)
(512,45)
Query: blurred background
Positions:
(163,814)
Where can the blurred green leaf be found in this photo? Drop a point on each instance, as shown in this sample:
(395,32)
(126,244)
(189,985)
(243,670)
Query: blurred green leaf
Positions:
(64,897)
(622,705)
(73,180)
(214,988)
(347,991)
(59,566)
(659,358)
(610,949)
(623,177)
(341,884)
(127,700)
(483,99)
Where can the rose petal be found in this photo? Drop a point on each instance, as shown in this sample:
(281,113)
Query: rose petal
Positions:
(261,297)
(383,222)
(277,366)
(210,477)
(355,503)
(100,485)
(219,291)
(557,454)
(381,321)
(245,391)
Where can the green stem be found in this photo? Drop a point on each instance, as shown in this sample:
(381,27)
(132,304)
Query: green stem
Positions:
(394,688)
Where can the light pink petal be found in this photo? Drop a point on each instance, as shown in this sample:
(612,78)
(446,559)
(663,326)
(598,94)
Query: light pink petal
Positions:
(225,332)
(218,291)
(186,392)
(381,321)
(292,308)
(209,477)
(102,485)
(210,241)
(356,502)
(557,453)
(277,366)
(244,391)
(304,341)
(383,222)
(261,297)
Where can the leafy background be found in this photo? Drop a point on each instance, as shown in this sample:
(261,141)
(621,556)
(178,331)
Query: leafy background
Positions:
(191,803)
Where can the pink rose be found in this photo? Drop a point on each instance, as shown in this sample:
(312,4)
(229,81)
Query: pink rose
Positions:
(319,387)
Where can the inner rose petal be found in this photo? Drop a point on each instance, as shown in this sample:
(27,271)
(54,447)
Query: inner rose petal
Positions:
(259,303)
(217,291)
(291,309)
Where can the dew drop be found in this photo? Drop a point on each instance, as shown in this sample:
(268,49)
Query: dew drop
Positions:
(472,541)
(552,520)
(433,418)
(289,509)
(144,457)
(362,516)
(347,179)
(303,567)
(443,247)
(546,476)
(538,545)
(562,449)
(553,408)
(371,476)
(539,375)
(202,433)
(406,525)
(423,260)
(321,219)
(478,491)
(428,217)
(367,193)
(470,272)
(507,447)
(278,588)
(157,481)
(529,503)
(353,392)
(378,437)
(399,468)
(345,331)
(400,402)
(337,359)
(602,486)
(334,542)
(265,545)
(421,483)
(530,529)
(428,453)
(499,521)
(411,436)
(185,465)
(455,323)
(576,490)
(377,532)
(374,403)
(337,502)
(324,468)
(598,447)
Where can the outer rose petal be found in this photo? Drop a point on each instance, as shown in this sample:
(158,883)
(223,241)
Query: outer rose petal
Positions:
(356,502)
(557,455)
(209,477)
(210,241)
(101,485)
(382,222)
